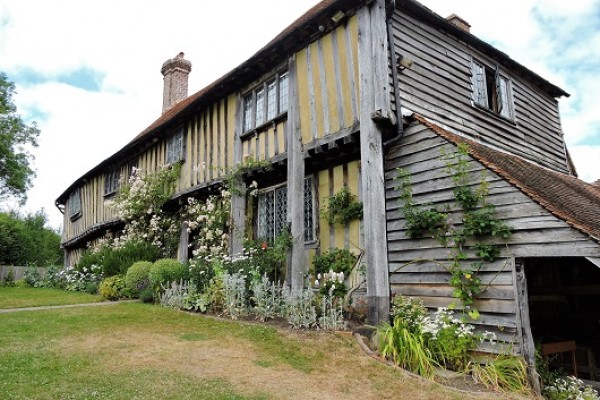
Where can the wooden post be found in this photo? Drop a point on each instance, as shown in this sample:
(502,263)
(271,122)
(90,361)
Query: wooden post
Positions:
(374,96)
(297,260)
(524,325)
(184,240)
(238,202)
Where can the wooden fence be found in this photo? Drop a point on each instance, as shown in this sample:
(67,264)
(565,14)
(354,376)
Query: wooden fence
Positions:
(18,272)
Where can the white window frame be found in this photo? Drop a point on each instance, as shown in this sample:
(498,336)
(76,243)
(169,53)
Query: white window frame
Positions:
(270,226)
(500,100)
(266,101)
(74,204)
(111,182)
(175,147)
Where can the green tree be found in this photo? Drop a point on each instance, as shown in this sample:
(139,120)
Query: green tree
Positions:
(25,240)
(15,138)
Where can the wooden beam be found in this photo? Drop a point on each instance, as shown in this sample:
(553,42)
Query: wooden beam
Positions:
(297,260)
(238,203)
(374,95)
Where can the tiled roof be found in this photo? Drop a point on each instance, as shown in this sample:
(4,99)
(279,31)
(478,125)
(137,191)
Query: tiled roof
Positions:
(572,200)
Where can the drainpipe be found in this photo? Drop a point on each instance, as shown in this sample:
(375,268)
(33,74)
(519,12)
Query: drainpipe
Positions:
(390,33)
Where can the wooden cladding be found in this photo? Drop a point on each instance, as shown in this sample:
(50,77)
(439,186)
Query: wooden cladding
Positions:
(439,86)
(536,232)
(328,82)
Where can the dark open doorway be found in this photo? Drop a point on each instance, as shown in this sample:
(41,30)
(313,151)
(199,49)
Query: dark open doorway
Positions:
(564,312)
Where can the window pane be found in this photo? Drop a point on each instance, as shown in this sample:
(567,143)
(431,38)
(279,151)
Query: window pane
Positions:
(280,210)
(309,223)
(260,107)
(479,92)
(175,148)
(74,204)
(271,100)
(262,216)
(503,99)
(247,113)
(283,92)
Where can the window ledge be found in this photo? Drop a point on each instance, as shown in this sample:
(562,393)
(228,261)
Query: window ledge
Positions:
(255,131)
(494,114)
(75,217)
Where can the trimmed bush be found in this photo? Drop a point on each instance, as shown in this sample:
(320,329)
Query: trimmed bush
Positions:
(116,261)
(167,270)
(138,277)
(112,288)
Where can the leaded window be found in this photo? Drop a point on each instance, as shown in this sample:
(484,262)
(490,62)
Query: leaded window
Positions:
(74,205)
(111,182)
(272,212)
(491,90)
(265,102)
(175,147)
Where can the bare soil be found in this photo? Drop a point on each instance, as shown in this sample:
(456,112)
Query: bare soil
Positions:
(344,372)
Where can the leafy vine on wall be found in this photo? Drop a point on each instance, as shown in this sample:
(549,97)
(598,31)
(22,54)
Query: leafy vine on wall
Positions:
(478,226)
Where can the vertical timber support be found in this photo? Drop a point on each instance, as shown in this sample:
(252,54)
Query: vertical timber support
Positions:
(524,324)
(374,96)
(295,186)
(184,240)
(238,201)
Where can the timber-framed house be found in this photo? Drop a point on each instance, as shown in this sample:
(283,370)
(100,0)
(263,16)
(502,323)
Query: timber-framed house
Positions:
(343,97)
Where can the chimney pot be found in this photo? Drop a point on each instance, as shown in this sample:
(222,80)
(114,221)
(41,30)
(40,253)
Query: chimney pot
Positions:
(459,22)
(175,71)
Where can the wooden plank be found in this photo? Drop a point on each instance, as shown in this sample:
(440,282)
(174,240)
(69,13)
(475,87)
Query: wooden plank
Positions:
(318,117)
(338,184)
(343,66)
(323,193)
(503,292)
(352,46)
(334,118)
(353,185)
(297,264)
(374,95)
(495,278)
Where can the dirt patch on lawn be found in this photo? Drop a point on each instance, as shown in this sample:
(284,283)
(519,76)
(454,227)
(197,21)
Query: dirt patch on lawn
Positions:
(343,371)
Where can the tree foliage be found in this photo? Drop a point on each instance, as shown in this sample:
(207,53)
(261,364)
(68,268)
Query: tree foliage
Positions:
(16,171)
(25,240)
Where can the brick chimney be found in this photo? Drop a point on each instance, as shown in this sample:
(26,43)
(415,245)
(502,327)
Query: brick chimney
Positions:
(175,72)
(459,22)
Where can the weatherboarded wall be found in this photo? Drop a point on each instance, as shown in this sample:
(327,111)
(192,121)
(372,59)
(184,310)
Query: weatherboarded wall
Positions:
(438,86)
(417,266)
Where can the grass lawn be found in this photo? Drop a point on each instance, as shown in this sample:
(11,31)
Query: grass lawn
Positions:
(13,297)
(138,351)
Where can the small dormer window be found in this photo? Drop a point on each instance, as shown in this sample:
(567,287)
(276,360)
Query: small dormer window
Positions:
(111,182)
(265,102)
(175,147)
(491,90)
(74,205)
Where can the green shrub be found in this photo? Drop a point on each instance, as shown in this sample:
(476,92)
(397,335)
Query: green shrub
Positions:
(167,270)
(116,261)
(9,279)
(21,283)
(137,277)
(112,287)
(147,295)
(32,275)
(91,287)
(336,260)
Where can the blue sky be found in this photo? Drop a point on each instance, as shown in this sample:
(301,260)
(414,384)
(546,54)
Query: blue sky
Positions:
(89,73)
